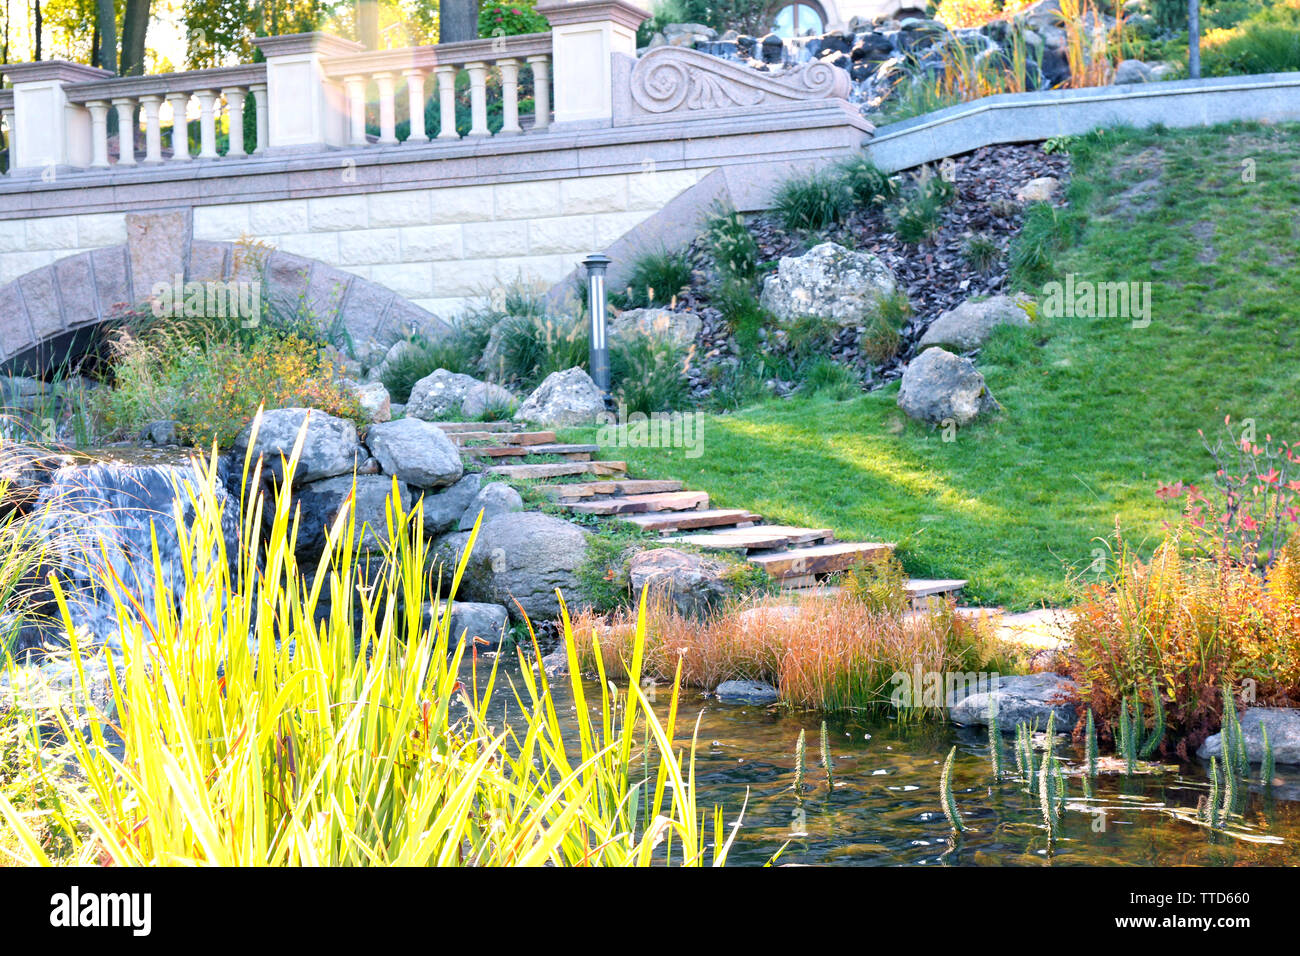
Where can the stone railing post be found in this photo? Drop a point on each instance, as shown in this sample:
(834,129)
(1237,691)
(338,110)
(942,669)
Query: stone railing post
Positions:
(48,131)
(586,34)
(304,109)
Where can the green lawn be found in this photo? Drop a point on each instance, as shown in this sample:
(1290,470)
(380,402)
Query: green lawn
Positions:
(1095,411)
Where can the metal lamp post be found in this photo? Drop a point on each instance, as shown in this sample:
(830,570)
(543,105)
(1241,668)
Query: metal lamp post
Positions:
(599,349)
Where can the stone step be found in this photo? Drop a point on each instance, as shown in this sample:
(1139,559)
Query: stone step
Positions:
(761,537)
(558,469)
(920,588)
(461,427)
(686,520)
(580,490)
(640,504)
(504,438)
(819,559)
(571,452)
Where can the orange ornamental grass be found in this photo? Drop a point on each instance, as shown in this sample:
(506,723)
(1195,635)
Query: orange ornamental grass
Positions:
(828,652)
(1182,627)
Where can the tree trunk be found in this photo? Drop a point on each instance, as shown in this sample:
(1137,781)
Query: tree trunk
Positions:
(39,28)
(457,20)
(135,23)
(105,35)
(1194,39)
(368,23)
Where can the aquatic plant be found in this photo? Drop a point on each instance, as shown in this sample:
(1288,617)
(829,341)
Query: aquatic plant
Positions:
(995,738)
(1090,744)
(947,799)
(800,763)
(1266,764)
(260,727)
(826,759)
(1157,734)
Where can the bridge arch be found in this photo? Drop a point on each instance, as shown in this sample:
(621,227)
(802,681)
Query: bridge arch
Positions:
(55,312)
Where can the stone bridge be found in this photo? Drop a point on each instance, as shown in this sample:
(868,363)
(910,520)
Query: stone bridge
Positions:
(394,224)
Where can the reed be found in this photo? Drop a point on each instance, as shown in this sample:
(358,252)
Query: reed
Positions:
(947,799)
(261,726)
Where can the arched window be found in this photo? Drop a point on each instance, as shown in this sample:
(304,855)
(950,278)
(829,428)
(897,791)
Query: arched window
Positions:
(799,20)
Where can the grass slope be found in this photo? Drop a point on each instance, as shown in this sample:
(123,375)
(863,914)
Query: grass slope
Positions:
(1095,411)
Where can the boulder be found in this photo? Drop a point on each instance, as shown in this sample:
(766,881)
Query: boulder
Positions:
(1041,189)
(1132,71)
(396,352)
(373,399)
(416,452)
(494,498)
(692,582)
(969,324)
(830,282)
(663,325)
(444,393)
(443,509)
(521,557)
(321,501)
(563,399)
(330,448)
(1029,698)
(162,432)
(1283,735)
(939,387)
(755,692)
(488,622)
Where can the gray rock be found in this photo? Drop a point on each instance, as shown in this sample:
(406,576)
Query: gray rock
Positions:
(663,325)
(754,692)
(1032,697)
(939,387)
(443,393)
(162,432)
(416,452)
(443,509)
(692,582)
(563,399)
(830,282)
(396,351)
(373,399)
(488,622)
(524,557)
(321,502)
(1283,735)
(330,448)
(969,324)
(1132,71)
(494,498)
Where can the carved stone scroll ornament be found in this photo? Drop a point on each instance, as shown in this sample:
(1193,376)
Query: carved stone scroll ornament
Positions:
(667,79)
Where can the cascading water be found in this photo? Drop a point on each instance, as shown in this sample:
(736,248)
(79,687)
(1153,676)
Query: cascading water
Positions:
(103,519)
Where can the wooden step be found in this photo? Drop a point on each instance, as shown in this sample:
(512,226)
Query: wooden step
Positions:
(504,438)
(461,427)
(571,452)
(686,520)
(920,588)
(579,490)
(758,538)
(558,469)
(819,559)
(640,504)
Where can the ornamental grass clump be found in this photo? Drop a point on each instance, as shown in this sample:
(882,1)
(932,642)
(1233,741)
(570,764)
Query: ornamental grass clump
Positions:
(284,715)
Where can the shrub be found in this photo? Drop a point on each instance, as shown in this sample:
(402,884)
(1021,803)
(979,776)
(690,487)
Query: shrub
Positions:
(529,348)
(812,202)
(867,183)
(498,19)
(1187,626)
(739,306)
(825,376)
(882,337)
(880,584)
(214,389)
(732,245)
(919,215)
(1255,47)
(457,352)
(982,253)
(648,374)
(656,278)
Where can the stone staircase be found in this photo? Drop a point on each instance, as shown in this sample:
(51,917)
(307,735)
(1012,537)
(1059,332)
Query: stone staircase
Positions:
(797,558)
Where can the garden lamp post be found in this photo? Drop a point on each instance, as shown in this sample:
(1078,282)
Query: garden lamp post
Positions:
(599,350)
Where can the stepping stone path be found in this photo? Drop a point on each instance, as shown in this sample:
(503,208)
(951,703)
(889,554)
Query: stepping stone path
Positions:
(797,558)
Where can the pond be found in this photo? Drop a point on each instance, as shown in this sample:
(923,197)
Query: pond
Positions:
(885,807)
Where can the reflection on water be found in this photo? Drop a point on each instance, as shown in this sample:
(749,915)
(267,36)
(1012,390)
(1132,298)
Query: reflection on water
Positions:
(884,809)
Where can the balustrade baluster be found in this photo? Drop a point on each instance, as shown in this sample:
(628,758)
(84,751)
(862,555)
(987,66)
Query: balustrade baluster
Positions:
(207,124)
(541,91)
(98,133)
(152,128)
(509,96)
(478,99)
(180,104)
(447,102)
(356,87)
(387,109)
(125,130)
(263,127)
(415,104)
(235,96)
